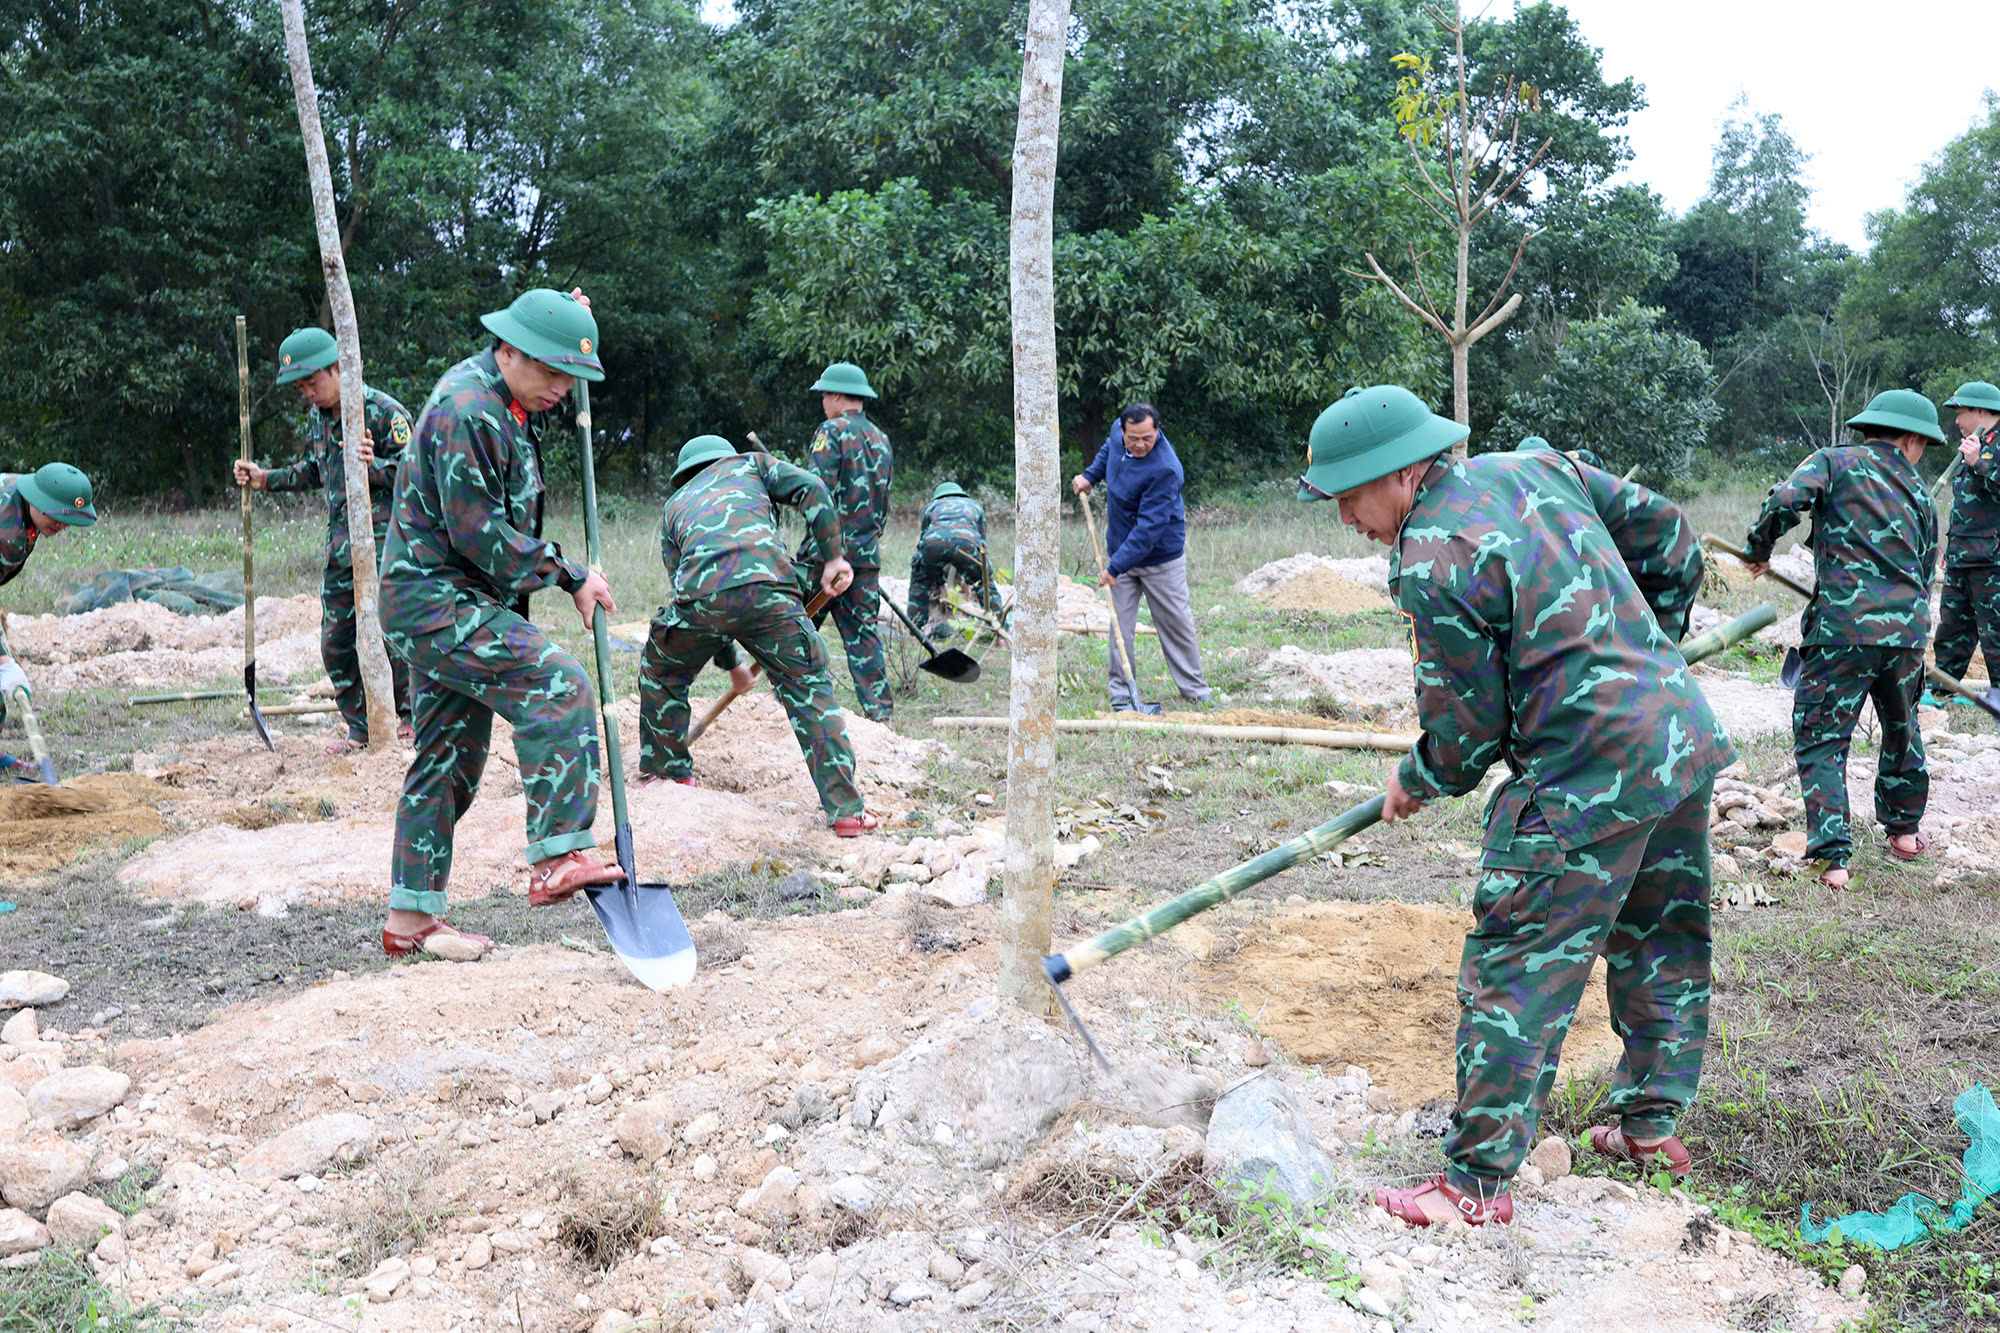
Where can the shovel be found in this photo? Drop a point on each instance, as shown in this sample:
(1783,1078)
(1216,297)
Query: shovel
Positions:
(1789,673)
(813,608)
(1124,653)
(951,664)
(641,920)
(1164,917)
(249,588)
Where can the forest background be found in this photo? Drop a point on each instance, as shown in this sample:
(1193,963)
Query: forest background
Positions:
(810,182)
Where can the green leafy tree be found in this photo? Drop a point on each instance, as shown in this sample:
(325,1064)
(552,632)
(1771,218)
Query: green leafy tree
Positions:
(1639,394)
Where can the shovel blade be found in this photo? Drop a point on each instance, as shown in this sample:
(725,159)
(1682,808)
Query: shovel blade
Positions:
(953,665)
(1788,674)
(250,691)
(644,925)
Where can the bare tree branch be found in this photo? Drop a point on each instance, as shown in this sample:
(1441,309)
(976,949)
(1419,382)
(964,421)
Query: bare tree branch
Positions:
(1389,282)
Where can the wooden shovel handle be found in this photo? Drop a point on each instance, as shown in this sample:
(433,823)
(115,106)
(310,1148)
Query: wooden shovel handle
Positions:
(813,608)
(1104,567)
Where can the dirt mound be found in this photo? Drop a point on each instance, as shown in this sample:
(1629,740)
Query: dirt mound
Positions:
(130,809)
(1375,985)
(1323,590)
(1371,680)
(1370,572)
(298,827)
(138,644)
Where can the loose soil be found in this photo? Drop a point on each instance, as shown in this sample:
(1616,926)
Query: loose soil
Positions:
(1323,590)
(129,809)
(144,646)
(1374,985)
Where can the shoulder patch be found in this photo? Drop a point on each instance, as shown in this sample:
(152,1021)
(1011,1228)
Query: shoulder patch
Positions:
(1410,625)
(399,430)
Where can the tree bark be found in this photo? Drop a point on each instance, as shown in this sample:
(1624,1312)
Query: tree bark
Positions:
(375,677)
(1031,739)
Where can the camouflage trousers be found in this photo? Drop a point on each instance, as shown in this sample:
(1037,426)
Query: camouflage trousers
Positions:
(491,661)
(1968,618)
(854,614)
(937,558)
(343,659)
(1833,684)
(769,621)
(1541,917)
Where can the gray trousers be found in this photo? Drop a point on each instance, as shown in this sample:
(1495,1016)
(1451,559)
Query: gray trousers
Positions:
(1166,589)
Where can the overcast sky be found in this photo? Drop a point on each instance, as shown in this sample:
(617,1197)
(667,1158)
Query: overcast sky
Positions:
(1812,64)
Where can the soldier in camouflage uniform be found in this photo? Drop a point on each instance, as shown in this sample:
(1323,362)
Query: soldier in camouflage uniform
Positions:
(1969,610)
(465,550)
(732,584)
(1535,442)
(954,538)
(1874,548)
(851,455)
(1544,602)
(34,507)
(310,359)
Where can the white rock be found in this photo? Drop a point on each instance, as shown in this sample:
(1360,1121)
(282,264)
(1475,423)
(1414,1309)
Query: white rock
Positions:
(478,1252)
(1379,1276)
(387,1277)
(972,1294)
(763,1266)
(646,1129)
(21,1030)
(909,1293)
(78,1219)
(704,1168)
(72,1097)
(30,988)
(13,1114)
(218,1275)
(309,1148)
(1854,1281)
(701,1129)
(777,1197)
(854,1193)
(35,1172)
(20,1233)
(453,949)
(1552,1155)
(946,1269)
(597,1090)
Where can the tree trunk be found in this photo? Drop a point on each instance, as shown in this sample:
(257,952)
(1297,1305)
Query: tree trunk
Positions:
(360,513)
(1031,740)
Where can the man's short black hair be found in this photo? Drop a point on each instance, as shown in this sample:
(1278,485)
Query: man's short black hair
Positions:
(1137,413)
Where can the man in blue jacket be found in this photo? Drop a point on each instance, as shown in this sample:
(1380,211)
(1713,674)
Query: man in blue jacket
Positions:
(1148,541)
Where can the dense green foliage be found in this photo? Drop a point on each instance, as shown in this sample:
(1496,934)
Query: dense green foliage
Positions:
(832,181)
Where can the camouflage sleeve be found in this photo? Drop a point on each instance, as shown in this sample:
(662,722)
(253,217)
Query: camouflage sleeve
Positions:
(796,488)
(1985,464)
(823,456)
(1461,692)
(1653,538)
(1927,537)
(300,476)
(1800,491)
(391,439)
(475,512)
(670,547)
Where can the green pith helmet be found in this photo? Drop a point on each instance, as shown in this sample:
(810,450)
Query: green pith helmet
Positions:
(947,488)
(1370,433)
(1533,444)
(697,454)
(844,377)
(1901,410)
(552,327)
(303,351)
(1975,393)
(61,492)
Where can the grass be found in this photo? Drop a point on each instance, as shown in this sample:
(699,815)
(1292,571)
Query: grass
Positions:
(1844,1023)
(61,1294)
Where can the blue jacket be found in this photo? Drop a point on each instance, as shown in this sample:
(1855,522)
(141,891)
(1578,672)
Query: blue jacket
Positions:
(1148,520)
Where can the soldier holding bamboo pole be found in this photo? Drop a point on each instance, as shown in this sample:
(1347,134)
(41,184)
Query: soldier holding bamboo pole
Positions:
(1543,601)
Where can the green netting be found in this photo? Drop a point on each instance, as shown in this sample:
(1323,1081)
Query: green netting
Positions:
(178,589)
(1916,1217)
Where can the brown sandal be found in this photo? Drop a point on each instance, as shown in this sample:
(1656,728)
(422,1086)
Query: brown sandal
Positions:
(402,946)
(1671,1153)
(563,877)
(1402,1204)
(1923,845)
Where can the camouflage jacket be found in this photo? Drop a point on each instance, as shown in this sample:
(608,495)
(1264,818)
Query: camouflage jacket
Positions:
(720,530)
(851,455)
(18,534)
(1874,540)
(1975,507)
(958,520)
(468,514)
(1545,602)
(322,465)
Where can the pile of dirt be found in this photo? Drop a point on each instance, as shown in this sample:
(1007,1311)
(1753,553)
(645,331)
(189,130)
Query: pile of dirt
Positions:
(299,827)
(1323,590)
(1369,571)
(141,645)
(1377,681)
(1375,985)
(129,807)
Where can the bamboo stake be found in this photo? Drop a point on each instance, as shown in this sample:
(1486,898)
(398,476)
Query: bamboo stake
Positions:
(249,583)
(1165,916)
(296,710)
(1398,742)
(189,696)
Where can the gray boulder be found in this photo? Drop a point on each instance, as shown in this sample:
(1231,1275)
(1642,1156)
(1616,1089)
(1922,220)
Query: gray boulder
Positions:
(1258,1139)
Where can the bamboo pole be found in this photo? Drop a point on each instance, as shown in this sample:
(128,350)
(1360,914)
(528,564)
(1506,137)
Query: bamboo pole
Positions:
(1398,742)
(1165,916)
(296,710)
(189,696)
